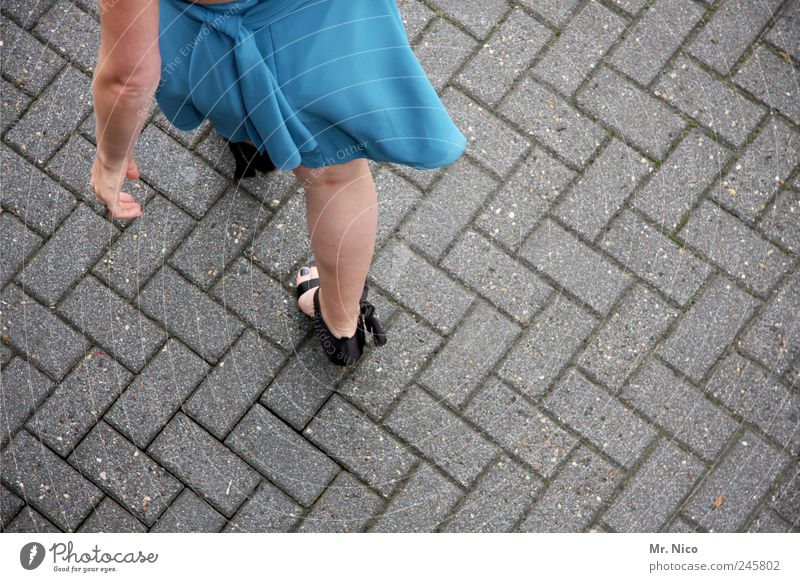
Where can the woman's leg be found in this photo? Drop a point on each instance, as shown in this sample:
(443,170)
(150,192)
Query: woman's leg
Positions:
(342,215)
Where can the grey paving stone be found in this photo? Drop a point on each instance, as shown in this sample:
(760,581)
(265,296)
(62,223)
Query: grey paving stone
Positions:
(110,517)
(638,116)
(780,222)
(552,121)
(10,504)
(736,486)
(497,276)
(734,25)
(30,521)
(654,257)
(479,16)
(14,102)
(520,428)
(491,141)
(575,266)
(223,232)
(504,55)
(304,384)
(270,189)
(142,249)
(499,499)
(263,303)
(415,16)
(472,351)
(751,182)
(627,336)
(127,474)
(79,402)
(600,418)
(656,490)
(31,195)
(186,138)
(72,31)
(546,347)
(441,50)
(523,199)
(420,505)
(234,384)
(656,35)
(386,372)
(267,510)
(735,247)
(26,11)
(556,11)
(22,389)
(35,331)
(176,173)
(118,327)
(580,47)
(157,393)
(680,525)
(711,102)
(574,497)
(440,436)
(694,165)
(759,398)
(5,353)
(285,240)
(630,6)
(785,499)
(282,455)
(786,32)
(773,80)
(707,328)
(345,506)
(602,189)
(767,521)
(57,112)
(680,408)
(396,197)
(67,255)
(204,325)
(447,209)
(189,514)
(72,165)
(359,445)
(18,243)
(202,462)
(27,62)
(774,339)
(45,481)
(420,178)
(413,282)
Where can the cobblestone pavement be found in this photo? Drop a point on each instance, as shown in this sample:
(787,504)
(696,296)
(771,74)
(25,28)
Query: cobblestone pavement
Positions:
(593,315)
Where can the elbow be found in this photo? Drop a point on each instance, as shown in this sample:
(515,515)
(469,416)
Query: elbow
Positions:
(133,86)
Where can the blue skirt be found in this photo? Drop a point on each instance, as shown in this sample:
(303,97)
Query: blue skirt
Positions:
(310,82)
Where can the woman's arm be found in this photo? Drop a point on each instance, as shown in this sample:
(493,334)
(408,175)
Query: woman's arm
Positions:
(125,79)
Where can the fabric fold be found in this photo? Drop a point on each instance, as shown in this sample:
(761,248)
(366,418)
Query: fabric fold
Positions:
(242,79)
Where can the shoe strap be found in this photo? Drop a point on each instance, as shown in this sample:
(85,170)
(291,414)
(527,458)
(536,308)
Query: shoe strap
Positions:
(372,324)
(306,285)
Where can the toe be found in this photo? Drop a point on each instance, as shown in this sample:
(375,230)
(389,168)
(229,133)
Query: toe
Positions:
(306,299)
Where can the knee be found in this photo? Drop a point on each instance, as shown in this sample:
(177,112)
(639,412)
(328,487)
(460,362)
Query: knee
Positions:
(336,176)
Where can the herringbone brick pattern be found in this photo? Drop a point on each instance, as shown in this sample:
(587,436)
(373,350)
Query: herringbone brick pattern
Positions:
(593,316)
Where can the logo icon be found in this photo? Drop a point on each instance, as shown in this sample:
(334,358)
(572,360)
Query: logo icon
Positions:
(31,555)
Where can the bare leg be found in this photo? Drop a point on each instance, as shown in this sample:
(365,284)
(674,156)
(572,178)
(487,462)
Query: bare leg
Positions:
(342,215)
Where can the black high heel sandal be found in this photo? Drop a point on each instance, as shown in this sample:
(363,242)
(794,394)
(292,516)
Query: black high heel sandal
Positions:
(248,160)
(348,350)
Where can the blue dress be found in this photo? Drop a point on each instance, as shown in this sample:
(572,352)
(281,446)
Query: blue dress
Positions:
(311,82)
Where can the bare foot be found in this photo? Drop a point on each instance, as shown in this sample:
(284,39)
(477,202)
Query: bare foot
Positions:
(306,305)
